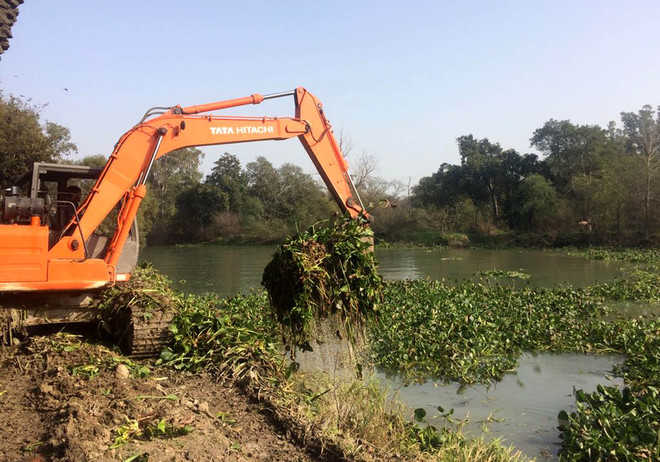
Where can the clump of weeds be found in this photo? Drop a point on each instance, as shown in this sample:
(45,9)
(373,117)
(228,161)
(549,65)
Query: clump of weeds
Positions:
(325,272)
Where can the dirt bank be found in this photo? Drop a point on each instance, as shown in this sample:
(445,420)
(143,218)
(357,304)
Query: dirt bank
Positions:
(63,398)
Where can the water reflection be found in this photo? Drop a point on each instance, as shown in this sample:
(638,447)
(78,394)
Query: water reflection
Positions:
(546,268)
(227,270)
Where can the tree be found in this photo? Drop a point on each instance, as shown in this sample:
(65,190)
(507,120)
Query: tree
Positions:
(97,160)
(571,149)
(228,175)
(616,198)
(537,201)
(170,175)
(575,155)
(483,165)
(300,201)
(263,183)
(24,140)
(642,131)
(195,211)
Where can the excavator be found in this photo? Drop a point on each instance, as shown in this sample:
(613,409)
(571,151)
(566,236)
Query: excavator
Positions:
(53,259)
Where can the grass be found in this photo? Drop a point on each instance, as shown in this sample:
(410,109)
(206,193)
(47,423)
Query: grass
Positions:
(372,426)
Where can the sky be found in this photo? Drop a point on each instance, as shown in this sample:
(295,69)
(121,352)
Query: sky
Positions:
(401,80)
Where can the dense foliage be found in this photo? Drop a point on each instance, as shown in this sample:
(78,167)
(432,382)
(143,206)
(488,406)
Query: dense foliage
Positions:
(25,140)
(475,331)
(258,203)
(324,272)
(592,185)
(612,424)
(233,337)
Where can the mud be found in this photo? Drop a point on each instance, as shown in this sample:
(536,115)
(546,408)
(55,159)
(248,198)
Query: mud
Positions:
(63,398)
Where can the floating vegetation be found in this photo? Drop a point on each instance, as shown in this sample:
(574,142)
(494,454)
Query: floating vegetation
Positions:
(504,274)
(473,332)
(638,285)
(623,255)
(612,424)
(325,272)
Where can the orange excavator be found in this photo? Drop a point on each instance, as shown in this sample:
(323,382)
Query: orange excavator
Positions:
(49,245)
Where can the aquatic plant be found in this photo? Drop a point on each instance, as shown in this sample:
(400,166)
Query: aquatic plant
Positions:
(637,285)
(474,332)
(504,274)
(324,272)
(234,338)
(612,424)
(629,255)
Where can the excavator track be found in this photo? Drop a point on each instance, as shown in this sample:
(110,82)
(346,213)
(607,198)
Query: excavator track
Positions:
(140,331)
(145,332)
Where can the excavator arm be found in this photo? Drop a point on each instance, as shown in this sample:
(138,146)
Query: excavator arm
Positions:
(161,131)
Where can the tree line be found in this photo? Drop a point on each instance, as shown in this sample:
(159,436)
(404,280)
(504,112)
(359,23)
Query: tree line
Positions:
(589,184)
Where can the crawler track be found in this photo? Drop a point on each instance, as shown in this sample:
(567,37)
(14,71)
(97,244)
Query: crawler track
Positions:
(147,332)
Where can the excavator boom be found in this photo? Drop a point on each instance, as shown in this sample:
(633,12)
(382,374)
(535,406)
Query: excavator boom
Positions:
(29,263)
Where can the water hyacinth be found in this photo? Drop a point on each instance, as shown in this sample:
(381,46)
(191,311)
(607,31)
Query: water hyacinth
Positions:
(232,337)
(475,332)
(325,272)
(612,424)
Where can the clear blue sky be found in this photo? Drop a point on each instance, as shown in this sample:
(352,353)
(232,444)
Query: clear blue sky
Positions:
(402,79)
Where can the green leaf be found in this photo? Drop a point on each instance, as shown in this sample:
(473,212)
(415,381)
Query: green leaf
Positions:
(420,414)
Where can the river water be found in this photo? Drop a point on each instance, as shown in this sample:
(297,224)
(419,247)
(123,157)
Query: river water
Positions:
(227,270)
(521,409)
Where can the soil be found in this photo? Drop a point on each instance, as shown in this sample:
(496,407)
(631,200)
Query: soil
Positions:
(64,398)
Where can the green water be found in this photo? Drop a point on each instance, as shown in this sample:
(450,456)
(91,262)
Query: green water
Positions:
(231,269)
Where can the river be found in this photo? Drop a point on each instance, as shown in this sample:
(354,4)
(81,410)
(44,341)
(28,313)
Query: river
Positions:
(227,270)
(522,408)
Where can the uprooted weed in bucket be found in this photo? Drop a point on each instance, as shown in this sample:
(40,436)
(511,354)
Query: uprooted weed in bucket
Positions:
(327,272)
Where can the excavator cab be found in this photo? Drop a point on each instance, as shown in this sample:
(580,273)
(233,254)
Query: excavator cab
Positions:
(54,192)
